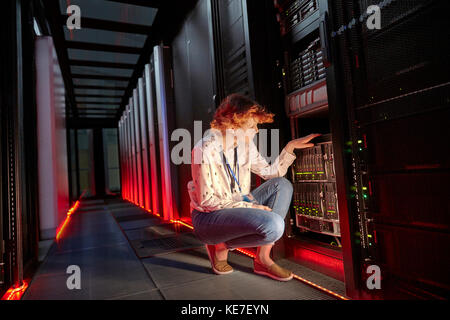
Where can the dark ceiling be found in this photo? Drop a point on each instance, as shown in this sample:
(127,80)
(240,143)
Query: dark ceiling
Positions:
(102,61)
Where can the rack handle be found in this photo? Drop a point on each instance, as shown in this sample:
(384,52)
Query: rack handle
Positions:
(324,40)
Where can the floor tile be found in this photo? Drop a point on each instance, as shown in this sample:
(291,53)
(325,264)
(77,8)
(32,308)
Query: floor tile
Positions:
(106,272)
(147,295)
(139,224)
(179,267)
(157,231)
(242,286)
(147,248)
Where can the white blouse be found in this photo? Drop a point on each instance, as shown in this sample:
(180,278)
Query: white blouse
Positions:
(210,188)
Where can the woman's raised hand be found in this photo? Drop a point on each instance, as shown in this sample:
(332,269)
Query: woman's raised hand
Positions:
(301,143)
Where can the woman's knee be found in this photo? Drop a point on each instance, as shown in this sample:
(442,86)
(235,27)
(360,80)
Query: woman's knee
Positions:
(284,185)
(273,228)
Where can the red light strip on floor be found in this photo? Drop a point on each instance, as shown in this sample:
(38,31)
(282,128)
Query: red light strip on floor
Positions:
(320,287)
(15,293)
(60,230)
(247,253)
(183,223)
(142,207)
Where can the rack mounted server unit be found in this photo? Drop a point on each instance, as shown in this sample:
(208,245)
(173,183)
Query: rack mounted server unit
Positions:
(292,13)
(315,195)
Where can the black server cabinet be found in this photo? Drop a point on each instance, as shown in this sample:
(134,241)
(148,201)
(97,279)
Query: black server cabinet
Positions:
(18,156)
(233,47)
(194,86)
(317,233)
(393,92)
(153,141)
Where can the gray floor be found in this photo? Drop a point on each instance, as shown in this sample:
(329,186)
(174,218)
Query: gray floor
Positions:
(124,253)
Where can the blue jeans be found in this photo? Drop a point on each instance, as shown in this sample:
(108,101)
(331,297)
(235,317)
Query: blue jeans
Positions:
(247,227)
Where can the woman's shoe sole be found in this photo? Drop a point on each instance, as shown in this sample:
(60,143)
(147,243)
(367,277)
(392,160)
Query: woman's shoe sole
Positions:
(273,276)
(212,264)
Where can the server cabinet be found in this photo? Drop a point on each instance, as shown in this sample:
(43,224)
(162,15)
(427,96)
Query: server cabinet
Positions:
(194,87)
(134,153)
(127,155)
(123,148)
(153,145)
(145,201)
(394,91)
(165,102)
(144,146)
(121,162)
(316,232)
(18,142)
(137,123)
(131,181)
(232,48)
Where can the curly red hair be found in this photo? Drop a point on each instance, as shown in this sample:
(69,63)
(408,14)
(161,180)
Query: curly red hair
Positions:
(236,109)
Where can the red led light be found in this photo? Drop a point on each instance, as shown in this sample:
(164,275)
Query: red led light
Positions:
(183,223)
(247,253)
(61,228)
(15,293)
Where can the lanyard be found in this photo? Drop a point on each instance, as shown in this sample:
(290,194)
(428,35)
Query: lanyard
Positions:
(230,171)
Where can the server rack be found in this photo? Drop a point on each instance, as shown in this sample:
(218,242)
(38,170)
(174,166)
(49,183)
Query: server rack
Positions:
(316,227)
(150,180)
(153,145)
(120,142)
(137,123)
(130,155)
(133,130)
(164,103)
(123,158)
(144,146)
(396,101)
(18,165)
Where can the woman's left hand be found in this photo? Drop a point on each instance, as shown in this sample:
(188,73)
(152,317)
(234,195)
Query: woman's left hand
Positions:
(302,143)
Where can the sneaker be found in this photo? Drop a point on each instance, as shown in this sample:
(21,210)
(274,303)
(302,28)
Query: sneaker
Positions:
(274,271)
(219,267)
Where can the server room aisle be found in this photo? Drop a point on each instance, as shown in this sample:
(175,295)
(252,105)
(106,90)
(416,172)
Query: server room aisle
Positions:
(125,253)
